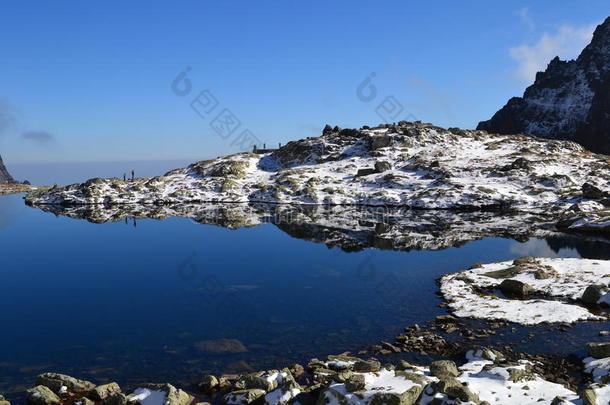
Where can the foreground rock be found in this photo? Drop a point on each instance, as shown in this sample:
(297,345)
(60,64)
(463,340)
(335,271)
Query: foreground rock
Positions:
(562,284)
(486,376)
(410,165)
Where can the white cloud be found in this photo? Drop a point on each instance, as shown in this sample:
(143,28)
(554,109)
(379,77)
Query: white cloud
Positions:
(567,43)
(526,18)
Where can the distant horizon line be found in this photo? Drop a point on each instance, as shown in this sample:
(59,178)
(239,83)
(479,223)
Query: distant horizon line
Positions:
(193,159)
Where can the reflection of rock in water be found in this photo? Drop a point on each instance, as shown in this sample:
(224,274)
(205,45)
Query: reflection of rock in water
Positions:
(589,247)
(350,228)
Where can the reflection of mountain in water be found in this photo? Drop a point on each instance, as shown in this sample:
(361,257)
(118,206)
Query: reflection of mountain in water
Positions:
(350,228)
(589,247)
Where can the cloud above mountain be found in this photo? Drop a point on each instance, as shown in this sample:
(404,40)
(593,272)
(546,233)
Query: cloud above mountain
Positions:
(567,43)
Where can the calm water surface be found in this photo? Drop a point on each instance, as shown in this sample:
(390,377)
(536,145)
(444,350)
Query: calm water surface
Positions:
(133,303)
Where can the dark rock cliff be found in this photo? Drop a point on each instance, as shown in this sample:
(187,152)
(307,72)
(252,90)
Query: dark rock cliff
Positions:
(570,100)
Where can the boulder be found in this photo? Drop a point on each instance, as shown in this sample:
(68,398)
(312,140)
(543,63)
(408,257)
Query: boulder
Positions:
(588,396)
(381,167)
(56,381)
(327,130)
(380,141)
(243,397)
(117,398)
(174,396)
(515,288)
(365,172)
(454,389)
(42,395)
(591,191)
(592,294)
(367,366)
(256,380)
(355,383)
(444,368)
(208,383)
(599,350)
(102,392)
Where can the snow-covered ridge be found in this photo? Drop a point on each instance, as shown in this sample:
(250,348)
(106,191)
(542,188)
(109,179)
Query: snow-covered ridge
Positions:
(410,165)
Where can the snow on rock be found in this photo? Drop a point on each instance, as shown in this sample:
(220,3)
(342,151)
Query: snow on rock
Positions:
(486,376)
(559,283)
(409,164)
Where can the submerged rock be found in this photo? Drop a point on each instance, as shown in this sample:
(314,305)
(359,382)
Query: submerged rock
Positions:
(599,350)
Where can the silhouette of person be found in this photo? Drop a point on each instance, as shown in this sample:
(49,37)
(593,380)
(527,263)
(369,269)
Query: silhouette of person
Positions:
(133,175)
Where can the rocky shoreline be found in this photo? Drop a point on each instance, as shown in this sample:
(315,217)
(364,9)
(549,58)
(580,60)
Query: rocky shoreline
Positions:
(472,375)
(457,369)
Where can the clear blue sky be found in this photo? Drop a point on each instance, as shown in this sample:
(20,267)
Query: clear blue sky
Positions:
(86,82)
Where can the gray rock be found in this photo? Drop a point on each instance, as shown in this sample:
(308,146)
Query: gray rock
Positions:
(175,396)
(42,395)
(115,399)
(454,389)
(55,381)
(102,392)
(355,383)
(591,191)
(380,141)
(599,350)
(208,383)
(255,380)
(516,288)
(367,366)
(381,167)
(444,368)
(243,397)
(588,396)
(365,172)
(592,294)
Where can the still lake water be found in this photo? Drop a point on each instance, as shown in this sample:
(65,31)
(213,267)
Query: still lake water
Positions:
(132,303)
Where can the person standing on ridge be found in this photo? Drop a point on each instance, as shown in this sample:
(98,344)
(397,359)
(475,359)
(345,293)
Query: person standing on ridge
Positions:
(124,176)
(133,175)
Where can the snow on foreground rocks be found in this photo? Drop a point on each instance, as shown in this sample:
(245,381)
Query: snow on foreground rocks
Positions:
(561,290)
(409,164)
(486,377)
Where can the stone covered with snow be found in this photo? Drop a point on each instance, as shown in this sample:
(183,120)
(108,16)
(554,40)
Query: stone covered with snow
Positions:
(559,285)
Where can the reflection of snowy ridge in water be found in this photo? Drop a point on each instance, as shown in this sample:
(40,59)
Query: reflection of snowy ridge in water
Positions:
(351,228)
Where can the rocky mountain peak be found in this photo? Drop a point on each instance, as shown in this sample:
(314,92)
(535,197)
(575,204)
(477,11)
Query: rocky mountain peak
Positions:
(5,176)
(567,101)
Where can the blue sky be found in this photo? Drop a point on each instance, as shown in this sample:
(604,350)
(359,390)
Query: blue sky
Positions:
(82,82)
